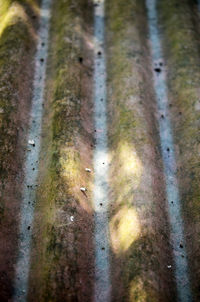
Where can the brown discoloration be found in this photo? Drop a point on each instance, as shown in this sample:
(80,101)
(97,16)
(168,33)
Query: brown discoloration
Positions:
(140,249)
(62,256)
(17,45)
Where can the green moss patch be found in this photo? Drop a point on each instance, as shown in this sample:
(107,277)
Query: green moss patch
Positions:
(136,222)
(60,245)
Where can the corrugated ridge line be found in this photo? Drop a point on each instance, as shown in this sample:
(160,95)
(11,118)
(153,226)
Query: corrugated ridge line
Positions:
(100,196)
(168,156)
(32,158)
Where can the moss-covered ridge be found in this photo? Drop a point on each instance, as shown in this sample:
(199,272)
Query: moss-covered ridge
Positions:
(17,37)
(62,257)
(18,23)
(180,40)
(138,222)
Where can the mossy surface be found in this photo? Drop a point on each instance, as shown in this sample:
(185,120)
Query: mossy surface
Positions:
(180,34)
(17,45)
(138,222)
(17,40)
(62,256)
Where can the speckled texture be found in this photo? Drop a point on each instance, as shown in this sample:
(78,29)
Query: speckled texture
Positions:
(30,184)
(168,156)
(62,265)
(138,221)
(18,24)
(181,43)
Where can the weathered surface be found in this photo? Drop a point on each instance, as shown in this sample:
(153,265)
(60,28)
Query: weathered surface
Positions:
(63,257)
(181,42)
(138,223)
(18,23)
(62,267)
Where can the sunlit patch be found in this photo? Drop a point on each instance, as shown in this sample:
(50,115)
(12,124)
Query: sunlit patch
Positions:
(137,291)
(15,12)
(124,229)
(142,290)
(130,162)
(69,165)
(71,172)
(89,41)
(127,173)
(98,1)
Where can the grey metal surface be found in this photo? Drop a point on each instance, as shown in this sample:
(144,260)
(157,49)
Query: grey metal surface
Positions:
(100,196)
(168,156)
(32,157)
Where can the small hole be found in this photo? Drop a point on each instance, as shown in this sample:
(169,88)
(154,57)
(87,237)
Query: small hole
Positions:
(168,149)
(99,53)
(101,204)
(41,60)
(28,228)
(80,60)
(157,70)
(103,248)
(162,116)
(181,246)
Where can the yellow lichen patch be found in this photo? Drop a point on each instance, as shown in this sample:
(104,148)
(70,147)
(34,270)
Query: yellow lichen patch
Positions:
(70,166)
(137,291)
(4,5)
(140,292)
(15,13)
(124,229)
